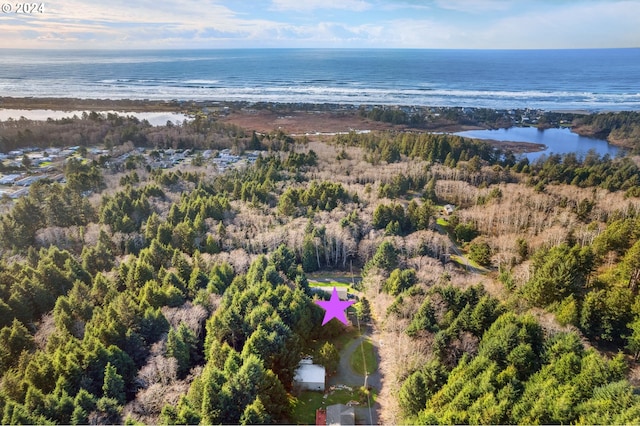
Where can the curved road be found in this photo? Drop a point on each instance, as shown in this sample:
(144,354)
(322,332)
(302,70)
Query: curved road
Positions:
(346,376)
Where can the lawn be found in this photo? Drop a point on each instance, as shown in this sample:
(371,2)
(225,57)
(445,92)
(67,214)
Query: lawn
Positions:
(303,408)
(343,339)
(367,365)
(314,283)
(442,222)
(340,341)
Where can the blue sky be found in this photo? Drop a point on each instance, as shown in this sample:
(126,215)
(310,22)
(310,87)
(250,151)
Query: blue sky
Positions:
(458,24)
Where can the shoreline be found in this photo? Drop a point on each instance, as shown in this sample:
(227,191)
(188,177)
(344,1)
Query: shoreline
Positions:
(515,147)
(259,116)
(72,104)
(311,120)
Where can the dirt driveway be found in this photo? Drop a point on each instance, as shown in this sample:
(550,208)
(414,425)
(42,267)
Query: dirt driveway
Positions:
(346,376)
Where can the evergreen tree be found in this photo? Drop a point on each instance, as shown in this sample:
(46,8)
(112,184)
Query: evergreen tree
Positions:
(399,281)
(255,414)
(424,319)
(328,357)
(113,386)
(363,310)
(181,344)
(413,395)
(386,257)
(13,340)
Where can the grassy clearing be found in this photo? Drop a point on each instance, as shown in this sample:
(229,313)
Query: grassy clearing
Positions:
(466,261)
(442,222)
(460,260)
(314,283)
(367,365)
(334,274)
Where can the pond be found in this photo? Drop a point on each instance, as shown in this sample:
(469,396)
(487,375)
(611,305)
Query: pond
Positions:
(154,118)
(557,141)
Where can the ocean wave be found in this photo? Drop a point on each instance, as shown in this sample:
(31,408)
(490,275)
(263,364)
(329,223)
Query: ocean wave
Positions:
(212,89)
(201,81)
(73,58)
(287,88)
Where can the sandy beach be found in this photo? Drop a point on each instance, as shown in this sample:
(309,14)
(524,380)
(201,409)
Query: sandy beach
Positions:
(71,104)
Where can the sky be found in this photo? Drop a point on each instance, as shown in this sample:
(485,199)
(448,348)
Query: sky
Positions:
(433,24)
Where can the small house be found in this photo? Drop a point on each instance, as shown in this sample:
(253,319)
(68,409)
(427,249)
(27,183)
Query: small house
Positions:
(340,414)
(9,179)
(309,376)
(448,209)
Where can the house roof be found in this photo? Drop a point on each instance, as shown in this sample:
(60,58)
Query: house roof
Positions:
(340,414)
(321,417)
(310,373)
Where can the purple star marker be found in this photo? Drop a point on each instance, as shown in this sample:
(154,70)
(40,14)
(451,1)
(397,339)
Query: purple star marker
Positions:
(334,308)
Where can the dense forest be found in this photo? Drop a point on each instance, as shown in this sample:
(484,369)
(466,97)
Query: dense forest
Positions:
(181,295)
(440,117)
(622,128)
(112,129)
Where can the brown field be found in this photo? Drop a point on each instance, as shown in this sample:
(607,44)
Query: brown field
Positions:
(313,123)
(301,122)
(260,120)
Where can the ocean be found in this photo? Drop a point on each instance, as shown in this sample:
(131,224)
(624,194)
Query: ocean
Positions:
(593,80)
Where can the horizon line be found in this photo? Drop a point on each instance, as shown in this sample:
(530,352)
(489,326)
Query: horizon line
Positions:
(317,48)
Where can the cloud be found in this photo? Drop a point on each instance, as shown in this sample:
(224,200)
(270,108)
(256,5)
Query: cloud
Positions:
(145,23)
(476,6)
(140,12)
(402,5)
(600,24)
(309,5)
(479,6)
(378,23)
(571,25)
(415,33)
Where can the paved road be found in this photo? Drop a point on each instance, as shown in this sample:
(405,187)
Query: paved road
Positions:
(346,376)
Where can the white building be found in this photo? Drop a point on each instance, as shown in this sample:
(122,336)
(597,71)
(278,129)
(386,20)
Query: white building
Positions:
(28,181)
(9,179)
(309,376)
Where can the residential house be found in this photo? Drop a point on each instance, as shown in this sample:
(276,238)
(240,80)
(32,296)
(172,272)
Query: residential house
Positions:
(309,376)
(29,180)
(340,414)
(9,179)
